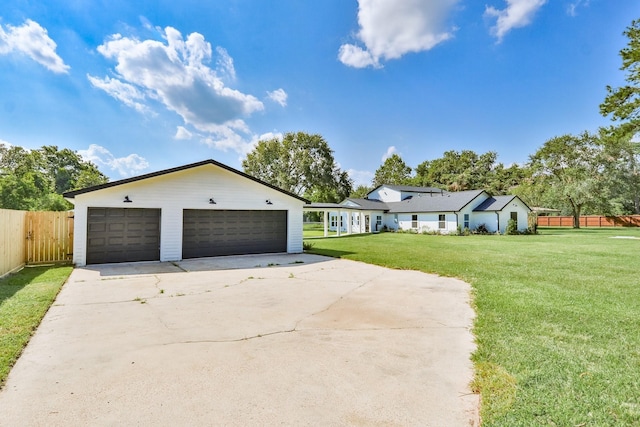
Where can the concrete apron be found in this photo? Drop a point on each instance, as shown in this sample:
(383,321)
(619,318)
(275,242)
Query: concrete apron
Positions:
(253,340)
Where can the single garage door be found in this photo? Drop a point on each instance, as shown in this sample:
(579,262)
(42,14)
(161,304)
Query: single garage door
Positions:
(226,232)
(123,235)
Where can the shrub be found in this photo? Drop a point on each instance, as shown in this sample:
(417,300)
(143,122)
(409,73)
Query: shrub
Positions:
(482,229)
(512,227)
(307,246)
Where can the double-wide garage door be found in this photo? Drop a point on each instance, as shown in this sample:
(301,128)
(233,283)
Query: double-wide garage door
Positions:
(122,235)
(230,232)
(132,234)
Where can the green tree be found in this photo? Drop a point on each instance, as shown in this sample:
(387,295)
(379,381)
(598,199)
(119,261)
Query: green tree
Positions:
(393,171)
(360,192)
(299,163)
(35,179)
(623,103)
(621,143)
(466,170)
(569,169)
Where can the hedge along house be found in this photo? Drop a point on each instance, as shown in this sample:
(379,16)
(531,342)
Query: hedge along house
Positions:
(197,210)
(423,209)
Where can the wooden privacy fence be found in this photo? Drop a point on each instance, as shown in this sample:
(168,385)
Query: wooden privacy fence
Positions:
(13,244)
(49,237)
(590,221)
(34,238)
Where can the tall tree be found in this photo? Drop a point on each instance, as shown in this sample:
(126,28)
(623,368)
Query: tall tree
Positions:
(360,192)
(466,170)
(393,171)
(569,169)
(623,103)
(299,163)
(35,179)
(621,141)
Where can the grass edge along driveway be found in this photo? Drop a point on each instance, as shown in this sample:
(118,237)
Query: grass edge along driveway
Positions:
(25,298)
(558,317)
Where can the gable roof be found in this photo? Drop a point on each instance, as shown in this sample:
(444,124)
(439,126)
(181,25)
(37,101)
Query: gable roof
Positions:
(447,202)
(497,203)
(368,204)
(410,188)
(74,193)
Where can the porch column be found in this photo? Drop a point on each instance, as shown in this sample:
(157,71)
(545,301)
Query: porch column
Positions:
(349,221)
(339,224)
(362,229)
(370,222)
(326,223)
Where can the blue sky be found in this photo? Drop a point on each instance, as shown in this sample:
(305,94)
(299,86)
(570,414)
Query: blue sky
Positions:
(139,86)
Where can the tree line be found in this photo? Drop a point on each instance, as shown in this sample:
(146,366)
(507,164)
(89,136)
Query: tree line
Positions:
(36,179)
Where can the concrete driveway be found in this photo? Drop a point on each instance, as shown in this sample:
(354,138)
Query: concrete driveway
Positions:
(253,340)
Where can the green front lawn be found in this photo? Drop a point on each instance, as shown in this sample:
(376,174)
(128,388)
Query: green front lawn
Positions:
(558,317)
(25,297)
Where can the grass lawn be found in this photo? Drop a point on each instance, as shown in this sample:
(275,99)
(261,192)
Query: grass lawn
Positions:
(25,297)
(558,317)
(314,229)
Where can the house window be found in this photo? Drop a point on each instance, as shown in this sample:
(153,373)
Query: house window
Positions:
(414,221)
(442,224)
(334,221)
(466,220)
(379,221)
(514,217)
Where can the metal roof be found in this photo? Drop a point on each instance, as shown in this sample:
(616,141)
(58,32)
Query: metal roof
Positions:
(369,204)
(447,202)
(72,194)
(411,188)
(497,203)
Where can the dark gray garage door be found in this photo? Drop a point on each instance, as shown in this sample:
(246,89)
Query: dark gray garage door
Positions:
(123,235)
(222,232)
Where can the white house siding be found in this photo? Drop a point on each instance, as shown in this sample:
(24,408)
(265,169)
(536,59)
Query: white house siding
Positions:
(428,222)
(488,219)
(386,194)
(498,221)
(514,206)
(187,189)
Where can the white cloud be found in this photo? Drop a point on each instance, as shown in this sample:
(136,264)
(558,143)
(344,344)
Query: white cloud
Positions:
(572,7)
(390,151)
(32,40)
(518,13)
(390,29)
(128,94)
(5,143)
(225,64)
(183,133)
(126,166)
(360,177)
(279,96)
(174,72)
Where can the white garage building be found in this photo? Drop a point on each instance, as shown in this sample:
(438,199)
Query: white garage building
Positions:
(197,210)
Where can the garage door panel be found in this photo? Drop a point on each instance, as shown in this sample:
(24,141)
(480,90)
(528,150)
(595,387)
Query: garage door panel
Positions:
(123,235)
(222,232)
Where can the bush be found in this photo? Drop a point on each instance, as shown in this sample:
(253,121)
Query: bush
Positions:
(482,229)
(307,246)
(512,227)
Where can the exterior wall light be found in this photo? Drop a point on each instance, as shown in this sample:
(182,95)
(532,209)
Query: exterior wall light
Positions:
(269,202)
(211,201)
(127,199)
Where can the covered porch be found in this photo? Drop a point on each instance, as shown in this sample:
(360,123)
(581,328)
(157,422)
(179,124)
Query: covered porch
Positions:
(345,219)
